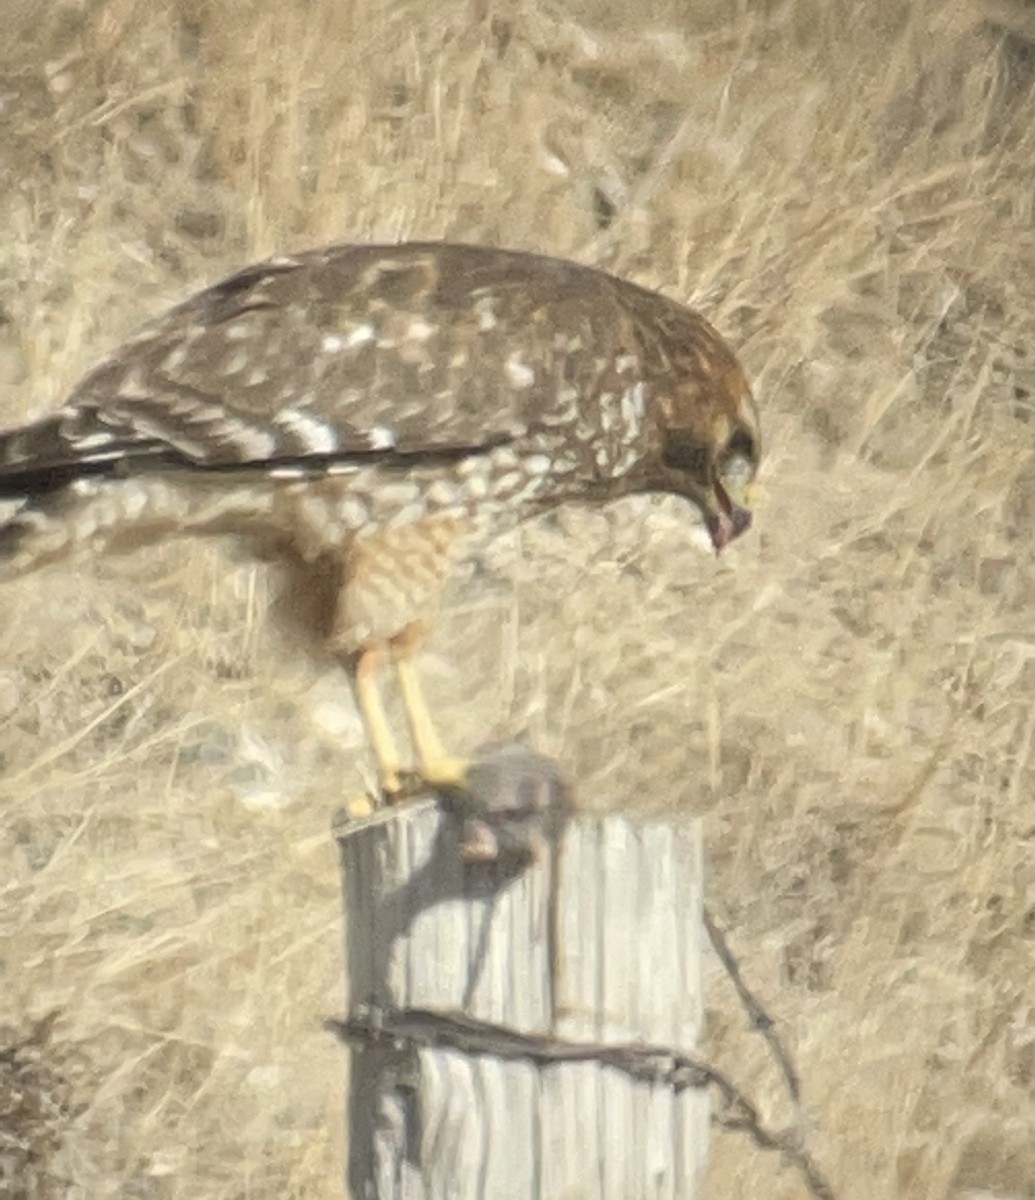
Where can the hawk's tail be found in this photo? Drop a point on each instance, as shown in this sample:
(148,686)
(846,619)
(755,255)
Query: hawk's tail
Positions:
(13,530)
(39,463)
(118,439)
(51,453)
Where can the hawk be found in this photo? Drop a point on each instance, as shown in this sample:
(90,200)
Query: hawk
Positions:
(382,408)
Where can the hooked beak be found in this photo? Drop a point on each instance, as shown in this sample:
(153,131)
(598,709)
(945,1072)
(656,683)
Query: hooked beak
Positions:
(729,522)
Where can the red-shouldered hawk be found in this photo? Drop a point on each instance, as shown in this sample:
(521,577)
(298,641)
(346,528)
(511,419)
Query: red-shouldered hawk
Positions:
(384,406)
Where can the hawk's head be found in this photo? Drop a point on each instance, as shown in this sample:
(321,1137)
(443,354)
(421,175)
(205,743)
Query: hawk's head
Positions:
(710,445)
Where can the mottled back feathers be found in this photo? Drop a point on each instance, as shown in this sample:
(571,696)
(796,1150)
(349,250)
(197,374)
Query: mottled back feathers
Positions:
(409,360)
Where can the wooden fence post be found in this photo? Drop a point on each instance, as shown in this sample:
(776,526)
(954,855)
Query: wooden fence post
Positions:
(605,955)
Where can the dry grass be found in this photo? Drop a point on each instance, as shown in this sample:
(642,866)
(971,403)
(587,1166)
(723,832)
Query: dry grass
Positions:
(845,698)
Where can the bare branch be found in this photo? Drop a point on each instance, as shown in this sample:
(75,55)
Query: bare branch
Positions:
(760,1019)
(656,1065)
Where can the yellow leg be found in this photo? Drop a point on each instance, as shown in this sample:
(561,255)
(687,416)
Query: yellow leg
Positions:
(437,768)
(368,696)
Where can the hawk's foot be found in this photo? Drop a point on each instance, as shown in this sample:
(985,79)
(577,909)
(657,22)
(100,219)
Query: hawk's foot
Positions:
(359,806)
(394,789)
(445,772)
(393,786)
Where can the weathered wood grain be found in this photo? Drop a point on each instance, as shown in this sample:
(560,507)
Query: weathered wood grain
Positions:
(612,959)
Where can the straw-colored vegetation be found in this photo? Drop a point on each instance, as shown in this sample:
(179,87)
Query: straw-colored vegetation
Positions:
(844,698)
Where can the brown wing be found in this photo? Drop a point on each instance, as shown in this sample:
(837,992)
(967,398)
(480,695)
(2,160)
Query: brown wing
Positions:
(414,346)
(362,352)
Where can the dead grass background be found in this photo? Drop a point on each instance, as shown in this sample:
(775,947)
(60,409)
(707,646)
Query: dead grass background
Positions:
(845,698)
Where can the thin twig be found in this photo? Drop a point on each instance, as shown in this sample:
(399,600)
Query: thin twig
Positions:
(760,1019)
(655,1065)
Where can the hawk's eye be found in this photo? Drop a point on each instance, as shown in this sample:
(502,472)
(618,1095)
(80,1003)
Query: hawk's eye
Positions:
(683,452)
(739,459)
(741,445)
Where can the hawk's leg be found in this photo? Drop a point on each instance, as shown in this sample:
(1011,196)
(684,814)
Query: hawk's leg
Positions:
(437,768)
(366,667)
